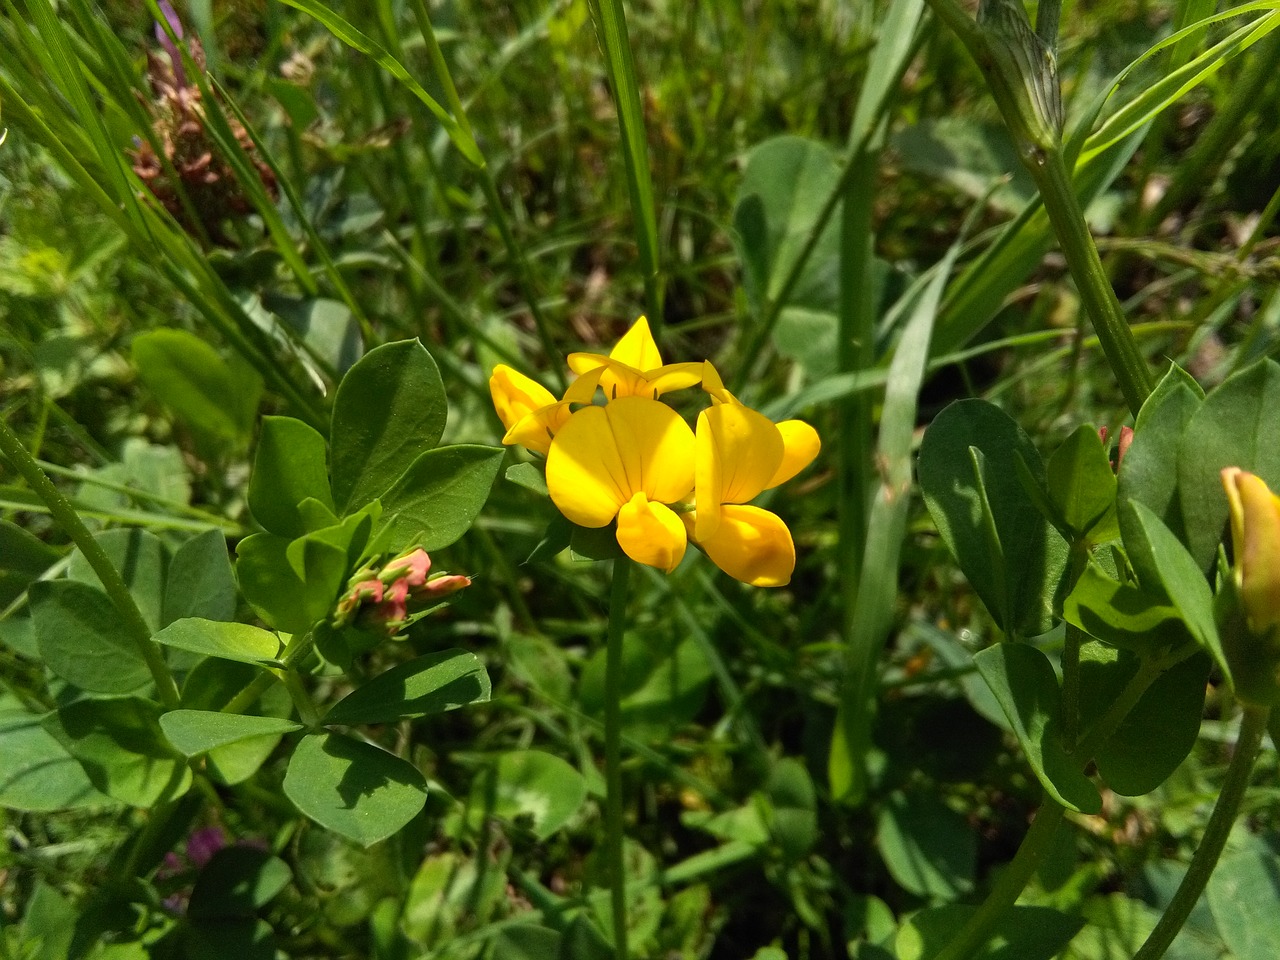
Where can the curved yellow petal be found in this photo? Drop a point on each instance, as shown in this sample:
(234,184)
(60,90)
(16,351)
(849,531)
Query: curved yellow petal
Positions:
(752,545)
(603,456)
(738,452)
(515,396)
(800,445)
(651,533)
(585,473)
(637,348)
(674,376)
(1255,540)
(616,378)
(714,385)
(535,430)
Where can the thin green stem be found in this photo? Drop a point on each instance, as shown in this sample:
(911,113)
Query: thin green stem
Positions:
(1067,220)
(613,753)
(298,645)
(112,582)
(1252,727)
(1009,885)
(1102,731)
(301,697)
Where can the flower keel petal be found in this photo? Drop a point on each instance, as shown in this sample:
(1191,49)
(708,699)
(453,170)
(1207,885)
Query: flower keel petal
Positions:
(651,533)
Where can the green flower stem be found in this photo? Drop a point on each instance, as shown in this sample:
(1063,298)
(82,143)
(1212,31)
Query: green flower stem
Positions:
(1008,885)
(1252,727)
(307,711)
(70,521)
(613,753)
(1049,170)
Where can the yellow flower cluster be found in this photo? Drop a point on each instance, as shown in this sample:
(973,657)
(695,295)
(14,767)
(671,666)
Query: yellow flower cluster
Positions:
(635,459)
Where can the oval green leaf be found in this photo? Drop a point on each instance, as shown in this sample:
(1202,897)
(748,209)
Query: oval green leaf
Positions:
(216,638)
(353,788)
(431,684)
(194,732)
(439,496)
(83,640)
(289,467)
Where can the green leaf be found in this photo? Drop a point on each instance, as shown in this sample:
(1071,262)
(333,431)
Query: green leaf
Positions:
(121,747)
(794,808)
(1025,933)
(431,684)
(201,582)
(211,685)
(525,941)
(584,941)
(1159,731)
(388,409)
(237,882)
(529,476)
(969,478)
(353,788)
(529,786)
(1149,470)
(273,589)
(142,562)
(36,772)
(1080,481)
(784,185)
(437,499)
(194,732)
(930,849)
(243,938)
(1023,682)
(289,467)
(1159,556)
(217,399)
(1237,426)
(82,639)
(1243,892)
(25,553)
(216,638)
(1122,615)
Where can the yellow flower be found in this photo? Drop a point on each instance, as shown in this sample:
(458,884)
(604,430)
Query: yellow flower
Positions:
(1255,541)
(529,411)
(634,368)
(629,460)
(740,454)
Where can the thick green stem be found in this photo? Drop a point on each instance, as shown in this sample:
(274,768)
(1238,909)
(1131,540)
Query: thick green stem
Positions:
(1252,727)
(613,753)
(1067,219)
(112,582)
(1012,879)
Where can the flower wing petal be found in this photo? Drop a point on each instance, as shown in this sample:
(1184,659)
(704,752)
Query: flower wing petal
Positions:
(586,476)
(800,445)
(651,533)
(752,545)
(739,451)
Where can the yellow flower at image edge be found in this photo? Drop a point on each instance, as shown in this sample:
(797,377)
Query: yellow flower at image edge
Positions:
(740,454)
(1255,540)
(628,460)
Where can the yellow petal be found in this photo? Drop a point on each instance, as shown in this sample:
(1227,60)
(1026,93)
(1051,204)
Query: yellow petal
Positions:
(674,376)
(651,533)
(535,430)
(515,396)
(712,383)
(604,456)
(738,452)
(800,443)
(752,545)
(616,378)
(1255,537)
(637,348)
